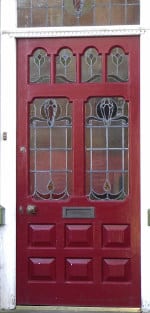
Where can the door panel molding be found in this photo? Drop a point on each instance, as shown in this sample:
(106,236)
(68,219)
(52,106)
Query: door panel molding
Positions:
(83,31)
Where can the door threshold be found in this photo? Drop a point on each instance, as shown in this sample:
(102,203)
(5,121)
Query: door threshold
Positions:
(76,309)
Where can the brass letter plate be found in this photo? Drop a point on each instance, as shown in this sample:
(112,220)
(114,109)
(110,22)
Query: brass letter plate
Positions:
(78,212)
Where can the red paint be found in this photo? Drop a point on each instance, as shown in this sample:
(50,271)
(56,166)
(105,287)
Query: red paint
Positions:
(82,262)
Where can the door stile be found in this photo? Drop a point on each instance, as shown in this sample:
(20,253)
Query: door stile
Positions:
(78,148)
(134,120)
(135,160)
(78,70)
(52,69)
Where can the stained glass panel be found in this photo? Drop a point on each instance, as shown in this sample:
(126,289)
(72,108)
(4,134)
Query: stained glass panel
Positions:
(117,65)
(91,66)
(39,67)
(42,13)
(65,67)
(106,144)
(50,149)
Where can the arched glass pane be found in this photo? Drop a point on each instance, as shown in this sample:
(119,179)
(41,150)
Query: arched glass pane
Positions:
(65,67)
(91,66)
(39,67)
(43,13)
(106,144)
(50,149)
(117,65)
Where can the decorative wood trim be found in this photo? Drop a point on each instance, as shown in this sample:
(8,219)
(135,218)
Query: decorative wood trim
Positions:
(84,31)
(74,309)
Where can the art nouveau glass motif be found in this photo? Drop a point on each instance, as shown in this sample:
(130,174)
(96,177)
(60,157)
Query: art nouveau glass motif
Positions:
(91,66)
(65,67)
(117,65)
(106,145)
(50,148)
(39,67)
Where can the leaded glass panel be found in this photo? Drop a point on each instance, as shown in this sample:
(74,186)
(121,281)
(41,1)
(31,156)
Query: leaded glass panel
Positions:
(106,143)
(117,65)
(50,149)
(91,66)
(65,67)
(39,67)
(42,13)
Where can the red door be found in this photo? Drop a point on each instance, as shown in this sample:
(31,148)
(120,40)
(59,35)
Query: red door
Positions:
(78,228)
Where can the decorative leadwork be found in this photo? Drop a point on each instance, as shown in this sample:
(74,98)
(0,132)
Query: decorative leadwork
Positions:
(91,66)
(117,66)
(39,67)
(107,148)
(78,8)
(107,111)
(91,69)
(78,5)
(51,195)
(50,149)
(65,67)
(77,12)
(50,112)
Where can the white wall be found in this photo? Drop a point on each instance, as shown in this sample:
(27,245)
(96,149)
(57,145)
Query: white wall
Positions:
(8,154)
(145,169)
(8,158)
(145,155)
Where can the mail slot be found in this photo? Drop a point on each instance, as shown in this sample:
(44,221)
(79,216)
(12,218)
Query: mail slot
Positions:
(78,212)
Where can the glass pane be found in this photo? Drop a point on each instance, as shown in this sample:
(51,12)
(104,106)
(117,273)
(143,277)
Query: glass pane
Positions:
(91,66)
(118,13)
(106,144)
(115,137)
(133,14)
(43,13)
(115,160)
(42,160)
(50,149)
(98,160)
(39,67)
(97,137)
(117,65)
(65,67)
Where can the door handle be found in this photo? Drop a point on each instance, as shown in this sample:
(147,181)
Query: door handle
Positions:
(31,209)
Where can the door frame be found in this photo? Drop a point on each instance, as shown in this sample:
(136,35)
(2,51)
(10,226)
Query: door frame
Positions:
(9,34)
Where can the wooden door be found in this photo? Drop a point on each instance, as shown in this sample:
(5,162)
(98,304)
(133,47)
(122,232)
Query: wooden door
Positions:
(78,184)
